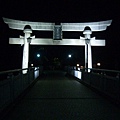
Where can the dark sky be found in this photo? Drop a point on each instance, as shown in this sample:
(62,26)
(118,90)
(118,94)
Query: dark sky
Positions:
(61,11)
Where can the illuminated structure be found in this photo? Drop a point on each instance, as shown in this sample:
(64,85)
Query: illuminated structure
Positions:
(86,28)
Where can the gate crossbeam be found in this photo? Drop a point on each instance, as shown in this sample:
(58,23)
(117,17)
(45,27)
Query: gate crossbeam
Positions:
(49,41)
(19,25)
(95,26)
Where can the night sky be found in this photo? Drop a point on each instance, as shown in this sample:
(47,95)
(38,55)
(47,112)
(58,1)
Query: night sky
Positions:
(75,11)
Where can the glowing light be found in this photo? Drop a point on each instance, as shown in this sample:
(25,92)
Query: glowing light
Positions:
(38,55)
(98,64)
(81,67)
(78,65)
(69,55)
(32,65)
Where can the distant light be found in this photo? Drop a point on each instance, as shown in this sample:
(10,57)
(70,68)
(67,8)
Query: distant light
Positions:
(78,65)
(32,65)
(38,55)
(98,64)
(69,56)
(81,67)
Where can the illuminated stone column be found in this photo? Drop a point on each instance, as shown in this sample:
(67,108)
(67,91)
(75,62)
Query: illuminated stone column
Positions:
(88,53)
(27,32)
(86,56)
(89,56)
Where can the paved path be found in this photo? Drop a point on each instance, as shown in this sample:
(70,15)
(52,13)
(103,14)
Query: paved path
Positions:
(56,97)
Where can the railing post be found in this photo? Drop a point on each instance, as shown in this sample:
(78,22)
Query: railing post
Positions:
(11,87)
(119,87)
(21,80)
(28,76)
(32,73)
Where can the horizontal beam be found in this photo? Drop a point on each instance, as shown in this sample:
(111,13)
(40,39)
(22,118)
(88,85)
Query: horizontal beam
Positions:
(18,24)
(57,42)
(47,41)
(98,42)
(95,26)
(44,26)
(41,27)
(81,28)
(107,22)
(16,41)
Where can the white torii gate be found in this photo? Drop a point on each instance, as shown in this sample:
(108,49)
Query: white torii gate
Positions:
(86,28)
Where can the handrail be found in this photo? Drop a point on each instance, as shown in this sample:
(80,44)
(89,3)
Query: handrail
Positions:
(102,71)
(12,71)
(106,70)
(111,73)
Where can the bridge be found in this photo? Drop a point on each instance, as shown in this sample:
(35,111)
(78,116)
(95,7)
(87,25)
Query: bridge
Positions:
(33,93)
(60,94)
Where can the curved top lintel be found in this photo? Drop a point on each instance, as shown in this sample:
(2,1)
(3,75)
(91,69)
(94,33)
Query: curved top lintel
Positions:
(18,24)
(95,26)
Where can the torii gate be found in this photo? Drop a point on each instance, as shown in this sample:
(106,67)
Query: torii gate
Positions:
(86,28)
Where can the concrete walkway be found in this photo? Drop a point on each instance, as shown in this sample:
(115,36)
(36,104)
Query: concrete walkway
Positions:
(56,97)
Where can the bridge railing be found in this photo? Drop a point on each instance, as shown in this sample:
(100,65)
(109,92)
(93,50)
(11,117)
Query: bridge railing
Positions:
(74,71)
(13,83)
(105,81)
